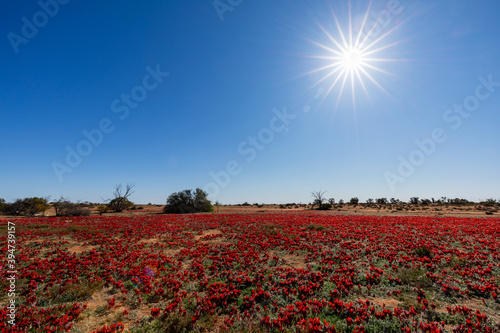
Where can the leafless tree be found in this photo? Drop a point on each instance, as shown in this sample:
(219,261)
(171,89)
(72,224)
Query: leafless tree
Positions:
(319,198)
(120,201)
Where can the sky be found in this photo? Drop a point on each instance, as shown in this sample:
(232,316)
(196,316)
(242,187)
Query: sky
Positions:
(257,101)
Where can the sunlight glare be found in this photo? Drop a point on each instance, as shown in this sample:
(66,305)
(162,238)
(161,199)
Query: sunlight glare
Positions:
(352,57)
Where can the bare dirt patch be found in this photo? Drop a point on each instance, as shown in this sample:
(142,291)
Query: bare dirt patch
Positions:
(389,303)
(216,239)
(149,240)
(79,249)
(208,232)
(296,261)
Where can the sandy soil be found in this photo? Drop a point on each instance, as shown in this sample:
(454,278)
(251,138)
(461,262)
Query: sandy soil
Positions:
(362,209)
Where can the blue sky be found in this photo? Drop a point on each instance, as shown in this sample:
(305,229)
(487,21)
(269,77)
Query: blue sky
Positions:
(230,116)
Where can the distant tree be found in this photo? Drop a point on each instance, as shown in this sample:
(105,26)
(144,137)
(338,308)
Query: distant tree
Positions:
(319,198)
(217,205)
(459,202)
(341,202)
(120,202)
(488,202)
(414,200)
(331,201)
(65,207)
(27,206)
(326,206)
(369,201)
(394,201)
(188,201)
(382,201)
(2,205)
(425,202)
(354,201)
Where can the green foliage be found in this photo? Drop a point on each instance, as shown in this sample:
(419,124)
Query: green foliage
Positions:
(390,325)
(121,195)
(423,251)
(65,207)
(415,277)
(27,206)
(102,209)
(325,206)
(69,293)
(459,202)
(425,202)
(316,227)
(488,202)
(414,200)
(120,204)
(176,323)
(382,201)
(354,201)
(188,201)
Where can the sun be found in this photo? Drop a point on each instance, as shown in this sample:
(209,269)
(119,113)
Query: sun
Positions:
(352,58)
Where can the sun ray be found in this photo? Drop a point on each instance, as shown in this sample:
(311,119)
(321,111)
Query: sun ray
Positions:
(350,24)
(332,85)
(362,82)
(380,70)
(340,31)
(353,94)
(328,48)
(353,54)
(367,53)
(390,31)
(342,88)
(327,76)
(374,81)
(329,36)
(363,24)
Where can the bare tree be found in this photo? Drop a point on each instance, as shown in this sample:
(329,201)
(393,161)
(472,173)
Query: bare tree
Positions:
(319,198)
(120,201)
(217,204)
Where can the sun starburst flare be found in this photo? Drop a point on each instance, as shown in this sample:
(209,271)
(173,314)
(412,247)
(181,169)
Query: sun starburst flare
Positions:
(352,57)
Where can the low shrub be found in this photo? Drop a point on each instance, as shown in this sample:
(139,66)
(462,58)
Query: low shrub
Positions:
(423,251)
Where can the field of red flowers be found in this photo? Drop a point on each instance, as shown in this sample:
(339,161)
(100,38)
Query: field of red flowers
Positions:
(297,272)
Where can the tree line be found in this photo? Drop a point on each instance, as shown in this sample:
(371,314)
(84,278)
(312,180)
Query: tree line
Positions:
(321,202)
(187,201)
